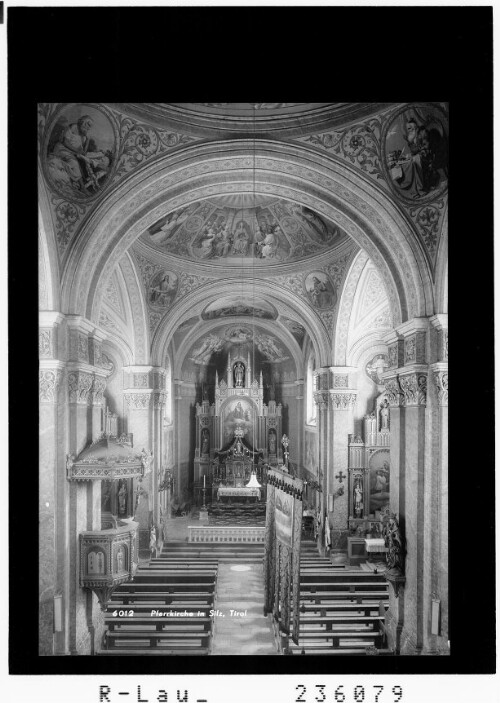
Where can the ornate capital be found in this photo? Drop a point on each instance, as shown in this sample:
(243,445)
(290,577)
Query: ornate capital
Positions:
(321,399)
(48,381)
(79,386)
(45,343)
(343,401)
(98,390)
(414,387)
(393,391)
(159,399)
(441,382)
(138,401)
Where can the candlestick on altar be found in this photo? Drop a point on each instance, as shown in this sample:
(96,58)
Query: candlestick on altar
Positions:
(285,442)
(204,481)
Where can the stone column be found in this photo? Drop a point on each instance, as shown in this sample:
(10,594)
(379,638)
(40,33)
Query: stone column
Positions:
(436,535)
(406,386)
(85,388)
(342,403)
(53,563)
(321,398)
(144,393)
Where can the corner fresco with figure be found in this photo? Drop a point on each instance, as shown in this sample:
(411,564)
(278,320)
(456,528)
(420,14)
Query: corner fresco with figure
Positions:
(80,152)
(274,232)
(416,148)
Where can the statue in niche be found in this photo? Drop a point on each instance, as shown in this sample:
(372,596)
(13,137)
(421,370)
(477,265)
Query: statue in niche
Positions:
(205,441)
(358,498)
(272,442)
(394,541)
(384,415)
(122,499)
(120,559)
(239,375)
(106,497)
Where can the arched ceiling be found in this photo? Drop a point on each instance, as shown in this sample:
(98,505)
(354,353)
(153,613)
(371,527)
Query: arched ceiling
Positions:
(243,230)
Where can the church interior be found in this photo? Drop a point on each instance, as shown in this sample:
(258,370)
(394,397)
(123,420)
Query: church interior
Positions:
(243,380)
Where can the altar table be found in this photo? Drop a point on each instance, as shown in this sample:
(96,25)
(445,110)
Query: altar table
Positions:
(242,492)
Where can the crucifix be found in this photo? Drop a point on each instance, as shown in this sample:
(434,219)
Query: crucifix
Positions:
(340,476)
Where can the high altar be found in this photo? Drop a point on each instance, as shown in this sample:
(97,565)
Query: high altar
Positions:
(238,433)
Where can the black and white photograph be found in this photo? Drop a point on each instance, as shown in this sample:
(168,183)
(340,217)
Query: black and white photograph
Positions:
(244,448)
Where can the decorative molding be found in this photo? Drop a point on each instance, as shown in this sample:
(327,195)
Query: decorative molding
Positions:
(79,387)
(428,220)
(393,391)
(321,399)
(138,401)
(343,401)
(98,389)
(340,380)
(410,350)
(159,399)
(45,343)
(414,387)
(49,381)
(441,383)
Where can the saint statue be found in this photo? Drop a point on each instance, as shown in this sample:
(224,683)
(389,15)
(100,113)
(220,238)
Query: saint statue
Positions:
(205,442)
(122,499)
(239,374)
(384,415)
(272,443)
(358,499)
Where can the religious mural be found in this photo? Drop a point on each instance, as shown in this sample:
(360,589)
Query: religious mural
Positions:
(81,151)
(379,480)
(272,232)
(238,334)
(239,412)
(320,290)
(163,289)
(211,344)
(268,347)
(239,306)
(311,452)
(295,328)
(376,367)
(416,149)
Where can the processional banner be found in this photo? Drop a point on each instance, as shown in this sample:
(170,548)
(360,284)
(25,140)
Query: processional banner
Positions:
(282,550)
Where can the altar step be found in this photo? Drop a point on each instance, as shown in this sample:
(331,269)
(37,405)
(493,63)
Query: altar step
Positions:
(176,550)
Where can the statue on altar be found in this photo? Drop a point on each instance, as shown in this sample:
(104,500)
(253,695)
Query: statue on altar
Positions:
(272,442)
(239,375)
(384,415)
(205,441)
(358,499)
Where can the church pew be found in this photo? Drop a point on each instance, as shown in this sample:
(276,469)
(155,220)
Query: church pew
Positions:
(118,638)
(180,650)
(342,575)
(170,587)
(192,624)
(340,619)
(180,566)
(146,608)
(348,596)
(162,597)
(364,638)
(340,606)
(319,649)
(324,583)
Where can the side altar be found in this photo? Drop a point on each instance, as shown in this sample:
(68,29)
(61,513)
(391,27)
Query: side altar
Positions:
(237,435)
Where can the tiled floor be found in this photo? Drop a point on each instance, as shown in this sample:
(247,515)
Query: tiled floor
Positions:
(241,591)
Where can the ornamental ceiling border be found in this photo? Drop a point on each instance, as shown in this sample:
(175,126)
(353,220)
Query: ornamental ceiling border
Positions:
(139,320)
(122,219)
(199,298)
(364,146)
(135,143)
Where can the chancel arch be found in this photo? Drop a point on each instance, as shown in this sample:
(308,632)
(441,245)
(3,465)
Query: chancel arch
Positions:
(295,173)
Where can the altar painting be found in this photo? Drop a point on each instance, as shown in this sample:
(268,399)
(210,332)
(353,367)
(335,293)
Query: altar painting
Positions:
(379,481)
(239,412)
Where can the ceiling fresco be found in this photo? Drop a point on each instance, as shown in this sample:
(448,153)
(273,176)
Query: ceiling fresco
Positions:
(241,339)
(231,306)
(234,230)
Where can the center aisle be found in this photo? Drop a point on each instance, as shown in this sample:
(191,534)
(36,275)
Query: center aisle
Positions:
(240,588)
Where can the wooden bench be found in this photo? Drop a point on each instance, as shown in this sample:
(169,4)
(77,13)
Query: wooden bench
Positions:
(172,587)
(326,584)
(153,638)
(369,637)
(319,649)
(161,624)
(341,619)
(143,608)
(153,575)
(163,598)
(358,596)
(181,650)
(323,608)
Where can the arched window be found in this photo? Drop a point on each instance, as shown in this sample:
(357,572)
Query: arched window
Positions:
(310,387)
